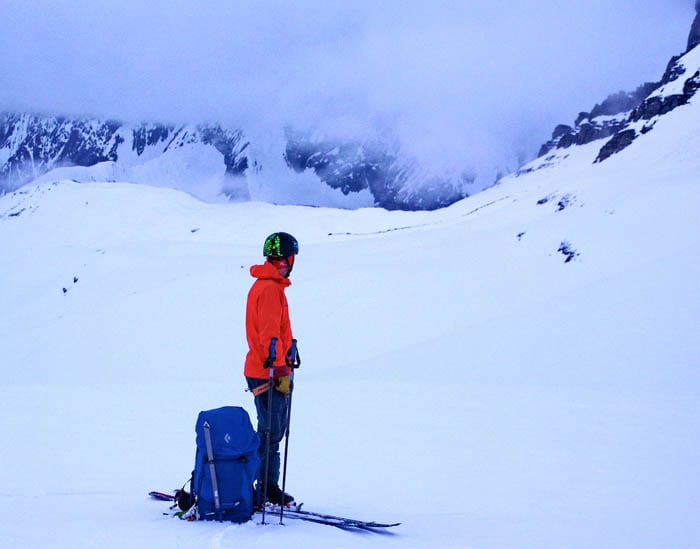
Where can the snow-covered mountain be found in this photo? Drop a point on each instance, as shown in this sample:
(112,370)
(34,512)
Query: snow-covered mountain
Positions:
(625,116)
(203,160)
(394,180)
(211,162)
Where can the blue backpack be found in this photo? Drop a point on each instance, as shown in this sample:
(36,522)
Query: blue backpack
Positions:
(225,464)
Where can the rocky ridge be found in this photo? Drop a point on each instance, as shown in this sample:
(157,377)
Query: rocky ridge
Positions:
(624,116)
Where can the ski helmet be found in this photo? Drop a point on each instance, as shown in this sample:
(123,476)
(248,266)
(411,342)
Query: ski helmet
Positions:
(280,245)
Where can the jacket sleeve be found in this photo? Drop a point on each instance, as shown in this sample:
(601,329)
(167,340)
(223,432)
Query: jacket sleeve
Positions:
(270,311)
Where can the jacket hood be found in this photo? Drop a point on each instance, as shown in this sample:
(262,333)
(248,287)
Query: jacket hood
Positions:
(268,271)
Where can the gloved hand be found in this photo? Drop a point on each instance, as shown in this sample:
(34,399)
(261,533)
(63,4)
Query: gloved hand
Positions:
(284,385)
(292,359)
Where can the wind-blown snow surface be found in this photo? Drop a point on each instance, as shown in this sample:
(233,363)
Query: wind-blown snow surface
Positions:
(458,374)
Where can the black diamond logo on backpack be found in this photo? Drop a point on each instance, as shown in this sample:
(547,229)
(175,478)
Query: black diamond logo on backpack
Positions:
(227,438)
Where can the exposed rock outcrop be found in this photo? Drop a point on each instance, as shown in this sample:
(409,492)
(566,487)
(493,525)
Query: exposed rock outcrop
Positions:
(624,116)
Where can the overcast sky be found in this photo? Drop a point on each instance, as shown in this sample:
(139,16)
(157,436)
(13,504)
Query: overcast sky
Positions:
(449,77)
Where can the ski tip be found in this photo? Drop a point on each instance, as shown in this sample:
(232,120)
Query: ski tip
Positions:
(161,496)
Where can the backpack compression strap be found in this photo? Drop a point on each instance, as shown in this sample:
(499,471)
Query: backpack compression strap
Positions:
(212,468)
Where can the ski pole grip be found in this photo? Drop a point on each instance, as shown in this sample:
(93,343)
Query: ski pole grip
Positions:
(293,360)
(271,353)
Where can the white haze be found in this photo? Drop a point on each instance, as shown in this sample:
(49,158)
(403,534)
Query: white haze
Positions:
(461,83)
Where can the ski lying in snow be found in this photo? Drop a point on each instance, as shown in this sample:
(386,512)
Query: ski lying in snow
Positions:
(162,496)
(296,512)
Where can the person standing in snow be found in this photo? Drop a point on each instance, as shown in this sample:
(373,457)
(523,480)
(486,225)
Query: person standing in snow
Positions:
(267,317)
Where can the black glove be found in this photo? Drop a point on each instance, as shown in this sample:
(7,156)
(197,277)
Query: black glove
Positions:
(292,359)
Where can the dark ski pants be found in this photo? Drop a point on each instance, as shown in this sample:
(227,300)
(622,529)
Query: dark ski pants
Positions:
(277,428)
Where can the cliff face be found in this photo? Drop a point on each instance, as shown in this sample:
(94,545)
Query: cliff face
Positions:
(624,116)
(604,120)
(678,85)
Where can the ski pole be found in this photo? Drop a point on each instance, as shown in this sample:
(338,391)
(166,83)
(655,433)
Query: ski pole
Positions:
(293,360)
(269,363)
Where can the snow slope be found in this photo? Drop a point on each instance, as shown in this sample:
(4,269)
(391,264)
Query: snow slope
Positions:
(459,374)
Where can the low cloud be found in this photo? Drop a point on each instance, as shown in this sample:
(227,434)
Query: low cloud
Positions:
(460,83)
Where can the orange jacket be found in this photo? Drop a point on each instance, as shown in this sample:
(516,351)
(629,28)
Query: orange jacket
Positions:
(267,316)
